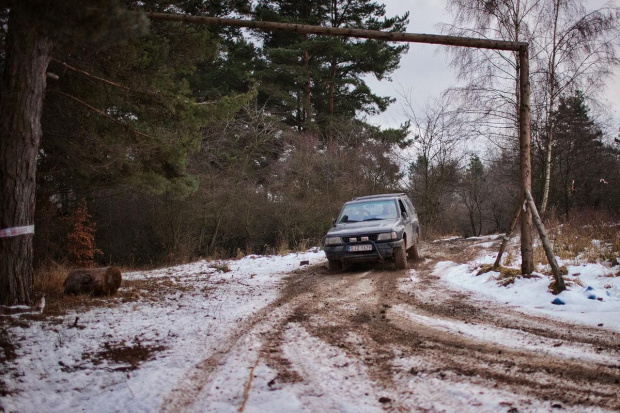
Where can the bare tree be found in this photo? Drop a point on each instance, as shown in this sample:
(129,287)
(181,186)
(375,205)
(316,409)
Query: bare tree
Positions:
(490,95)
(435,156)
(571,48)
(576,50)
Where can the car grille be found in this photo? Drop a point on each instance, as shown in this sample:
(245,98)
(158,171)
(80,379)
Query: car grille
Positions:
(360,238)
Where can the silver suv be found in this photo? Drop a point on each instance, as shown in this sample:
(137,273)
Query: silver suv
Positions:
(374,228)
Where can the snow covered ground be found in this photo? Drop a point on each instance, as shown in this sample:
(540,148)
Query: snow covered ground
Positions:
(596,302)
(62,368)
(213,316)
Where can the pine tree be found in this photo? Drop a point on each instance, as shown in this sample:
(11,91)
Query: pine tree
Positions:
(579,154)
(312,81)
(34,28)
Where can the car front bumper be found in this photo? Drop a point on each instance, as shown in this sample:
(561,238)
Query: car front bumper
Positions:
(380,251)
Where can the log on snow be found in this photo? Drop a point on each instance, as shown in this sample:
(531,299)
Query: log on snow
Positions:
(93,281)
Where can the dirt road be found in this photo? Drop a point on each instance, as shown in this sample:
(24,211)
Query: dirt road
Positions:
(373,339)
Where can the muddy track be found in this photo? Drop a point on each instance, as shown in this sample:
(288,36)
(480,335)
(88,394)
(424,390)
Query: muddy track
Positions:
(428,338)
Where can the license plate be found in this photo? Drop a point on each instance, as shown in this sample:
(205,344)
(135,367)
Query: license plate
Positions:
(363,247)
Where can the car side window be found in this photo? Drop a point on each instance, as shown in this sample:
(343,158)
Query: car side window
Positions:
(403,210)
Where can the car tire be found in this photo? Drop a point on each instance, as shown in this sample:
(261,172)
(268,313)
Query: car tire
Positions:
(400,258)
(334,265)
(412,253)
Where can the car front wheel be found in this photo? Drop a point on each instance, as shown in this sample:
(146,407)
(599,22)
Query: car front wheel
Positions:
(334,265)
(400,258)
(413,252)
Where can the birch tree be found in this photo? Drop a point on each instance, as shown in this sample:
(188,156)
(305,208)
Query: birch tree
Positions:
(490,95)
(571,48)
(576,51)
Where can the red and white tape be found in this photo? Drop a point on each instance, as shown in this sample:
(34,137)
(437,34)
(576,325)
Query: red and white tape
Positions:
(15,231)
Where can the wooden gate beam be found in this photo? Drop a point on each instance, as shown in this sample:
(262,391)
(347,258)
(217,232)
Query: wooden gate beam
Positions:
(527,254)
(343,32)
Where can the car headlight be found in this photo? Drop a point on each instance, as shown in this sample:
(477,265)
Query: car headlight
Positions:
(387,236)
(333,240)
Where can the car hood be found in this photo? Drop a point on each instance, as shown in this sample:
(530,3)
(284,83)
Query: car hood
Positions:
(366,227)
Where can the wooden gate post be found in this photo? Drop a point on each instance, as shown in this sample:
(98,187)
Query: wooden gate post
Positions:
(527,250)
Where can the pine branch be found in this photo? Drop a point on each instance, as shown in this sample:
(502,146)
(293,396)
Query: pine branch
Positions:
(102,113)
(114,84)
(91,76)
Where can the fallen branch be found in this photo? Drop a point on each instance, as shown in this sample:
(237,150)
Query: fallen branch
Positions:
(248,385)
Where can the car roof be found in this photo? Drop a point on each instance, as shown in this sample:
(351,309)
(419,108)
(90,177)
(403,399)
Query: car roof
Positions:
(395,195)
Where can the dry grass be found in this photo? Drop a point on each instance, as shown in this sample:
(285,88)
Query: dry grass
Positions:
(589,235)
(509,258)
(539,253)
(484,269)
(568,282)
(49,278)
(506,275)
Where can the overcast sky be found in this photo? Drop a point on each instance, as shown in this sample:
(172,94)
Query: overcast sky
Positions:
(424,70)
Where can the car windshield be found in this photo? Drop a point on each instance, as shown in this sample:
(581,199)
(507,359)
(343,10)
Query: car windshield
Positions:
(369,211)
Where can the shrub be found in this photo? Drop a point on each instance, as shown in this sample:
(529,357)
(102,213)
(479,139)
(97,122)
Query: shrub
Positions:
(81,238)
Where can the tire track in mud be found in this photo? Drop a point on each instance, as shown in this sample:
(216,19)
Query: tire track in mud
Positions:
(410,363)
(360,303)
(272,316)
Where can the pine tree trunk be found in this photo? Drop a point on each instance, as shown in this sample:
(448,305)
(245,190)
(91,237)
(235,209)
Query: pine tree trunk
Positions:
(21,102)
(330,103)
(307,89)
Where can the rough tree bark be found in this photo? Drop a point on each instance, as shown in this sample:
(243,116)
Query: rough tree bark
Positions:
(21,102)
(330,101)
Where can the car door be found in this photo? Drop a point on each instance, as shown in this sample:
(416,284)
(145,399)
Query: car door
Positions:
(415,224)
(407,215)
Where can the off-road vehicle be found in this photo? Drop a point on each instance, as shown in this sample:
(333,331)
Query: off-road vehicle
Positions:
(374,228)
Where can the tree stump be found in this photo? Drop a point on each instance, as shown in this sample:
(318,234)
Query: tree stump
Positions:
(93,281)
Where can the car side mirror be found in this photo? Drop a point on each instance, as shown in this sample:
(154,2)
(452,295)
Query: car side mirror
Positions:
(334,222)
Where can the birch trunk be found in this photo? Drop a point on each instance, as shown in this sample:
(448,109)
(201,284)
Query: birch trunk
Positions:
(551,83)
